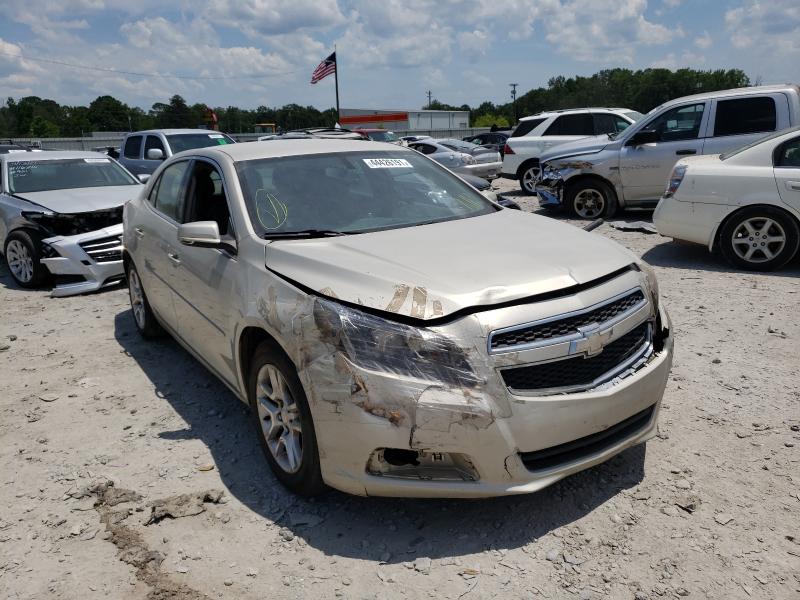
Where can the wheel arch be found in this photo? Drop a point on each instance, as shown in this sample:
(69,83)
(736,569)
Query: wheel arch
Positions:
(527,163)
(592,177)
(716,233)
(250,338)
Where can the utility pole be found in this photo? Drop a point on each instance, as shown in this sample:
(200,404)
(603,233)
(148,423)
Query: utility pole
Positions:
(514,98)
(429,98)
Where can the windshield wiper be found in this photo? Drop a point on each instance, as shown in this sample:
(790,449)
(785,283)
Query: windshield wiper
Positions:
(304,233)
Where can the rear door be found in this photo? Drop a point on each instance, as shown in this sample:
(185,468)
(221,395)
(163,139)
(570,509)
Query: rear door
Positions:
(736,122)
(787,172)
(157,233)
(644,168)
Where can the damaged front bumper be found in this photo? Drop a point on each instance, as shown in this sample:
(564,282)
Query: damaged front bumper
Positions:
(84,262)
(391,432)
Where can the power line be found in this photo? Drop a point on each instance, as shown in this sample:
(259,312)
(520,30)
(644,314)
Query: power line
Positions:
(140,74)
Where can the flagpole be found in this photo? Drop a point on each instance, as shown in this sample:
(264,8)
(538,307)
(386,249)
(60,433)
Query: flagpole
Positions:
(336,78)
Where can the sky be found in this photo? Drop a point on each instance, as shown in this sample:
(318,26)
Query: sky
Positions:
(248,53)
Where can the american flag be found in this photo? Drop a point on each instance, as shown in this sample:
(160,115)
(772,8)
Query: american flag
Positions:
(325,68)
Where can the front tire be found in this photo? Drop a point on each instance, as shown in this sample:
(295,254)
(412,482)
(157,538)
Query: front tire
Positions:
(528,175)
(23,257)
(283,422)
(759,238)
(143,315)
(591,199)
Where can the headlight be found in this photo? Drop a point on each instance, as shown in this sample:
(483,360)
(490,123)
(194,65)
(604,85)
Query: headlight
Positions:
(652,280)
(381,345)
(678,173)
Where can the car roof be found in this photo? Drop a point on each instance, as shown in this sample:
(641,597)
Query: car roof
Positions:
(174,131)
(562,111)
(763,89)
(292,147)
(49,155)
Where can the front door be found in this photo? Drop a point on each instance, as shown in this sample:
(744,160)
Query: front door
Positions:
(645,168)
(787,172)
(205,299)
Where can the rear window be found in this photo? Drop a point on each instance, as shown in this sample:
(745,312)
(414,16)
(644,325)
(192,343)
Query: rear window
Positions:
(525,127)
(69,173)
(189,141)
(745,115)
(581,124)
(382,136)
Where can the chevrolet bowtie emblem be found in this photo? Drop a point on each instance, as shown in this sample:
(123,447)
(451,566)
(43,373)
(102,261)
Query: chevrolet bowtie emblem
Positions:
(592,341)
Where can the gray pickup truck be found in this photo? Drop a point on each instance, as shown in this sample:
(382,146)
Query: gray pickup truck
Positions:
(142,152)
(594,176)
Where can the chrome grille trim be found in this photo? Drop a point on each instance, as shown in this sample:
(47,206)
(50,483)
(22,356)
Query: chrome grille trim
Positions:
(103,250)
(579,333)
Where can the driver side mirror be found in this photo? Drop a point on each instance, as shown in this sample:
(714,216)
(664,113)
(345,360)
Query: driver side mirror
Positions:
(143,177)
(645,136)
(155,154)
(201,234)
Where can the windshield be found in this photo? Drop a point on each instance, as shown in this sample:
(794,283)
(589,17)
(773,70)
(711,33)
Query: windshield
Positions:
(189,141)
(633,115)
(353,192)
(382,136)
(65,174)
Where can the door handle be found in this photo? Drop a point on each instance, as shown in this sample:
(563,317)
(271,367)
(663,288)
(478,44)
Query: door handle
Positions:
(139,232)
(174,258)
(793,185)
(685,152)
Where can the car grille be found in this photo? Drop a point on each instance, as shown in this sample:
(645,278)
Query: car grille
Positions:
(103,250)
(579,372)
(566,326)
(587,446)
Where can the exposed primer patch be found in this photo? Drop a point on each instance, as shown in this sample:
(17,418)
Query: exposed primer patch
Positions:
(400,295)
(133,550)
(419,301)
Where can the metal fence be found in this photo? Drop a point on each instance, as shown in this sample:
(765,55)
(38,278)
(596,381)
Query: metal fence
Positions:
(91,143)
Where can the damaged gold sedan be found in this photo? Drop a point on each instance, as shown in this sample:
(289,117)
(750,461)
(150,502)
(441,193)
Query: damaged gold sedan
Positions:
(395,332)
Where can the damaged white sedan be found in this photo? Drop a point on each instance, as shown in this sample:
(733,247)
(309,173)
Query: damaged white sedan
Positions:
(61,217)
(394,332)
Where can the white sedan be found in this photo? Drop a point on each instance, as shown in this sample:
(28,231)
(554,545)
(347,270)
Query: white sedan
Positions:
(745,203)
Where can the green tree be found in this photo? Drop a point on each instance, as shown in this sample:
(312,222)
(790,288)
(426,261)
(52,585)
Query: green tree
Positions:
(41,127)
(488,119)
(106,113)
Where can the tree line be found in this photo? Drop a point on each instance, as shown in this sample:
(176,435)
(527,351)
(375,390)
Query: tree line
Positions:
(639,90)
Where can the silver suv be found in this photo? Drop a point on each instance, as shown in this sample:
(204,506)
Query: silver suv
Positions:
(143,151)
(594,176)
(354,295)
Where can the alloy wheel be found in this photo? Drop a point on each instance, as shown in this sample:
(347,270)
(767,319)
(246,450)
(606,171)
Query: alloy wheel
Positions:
(529,179)
(589,203)
(20,261)
(279,416)
(758,239)
(137,298)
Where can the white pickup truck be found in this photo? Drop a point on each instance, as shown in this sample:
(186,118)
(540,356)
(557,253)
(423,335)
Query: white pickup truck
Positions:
(541,132)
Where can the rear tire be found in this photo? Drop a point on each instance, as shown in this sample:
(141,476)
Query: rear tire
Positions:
(759,238)
(143,316)
(283,421)
(591,199)
(528,175)
(23,257)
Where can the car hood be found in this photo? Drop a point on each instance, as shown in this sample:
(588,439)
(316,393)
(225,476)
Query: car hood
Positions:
(589,145)
(80,200)
(432,271)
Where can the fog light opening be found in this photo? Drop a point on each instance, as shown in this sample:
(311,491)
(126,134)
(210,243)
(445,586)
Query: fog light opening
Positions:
(402,463)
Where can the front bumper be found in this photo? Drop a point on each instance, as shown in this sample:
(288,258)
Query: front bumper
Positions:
(456,421)
(485,170)
(550,191)
(88,260)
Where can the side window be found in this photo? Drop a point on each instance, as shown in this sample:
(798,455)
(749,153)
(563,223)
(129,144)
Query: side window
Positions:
(153,142)
(788,154)
(745,115)
(525,127)
(133,147)
(169,192)
(572,125)
(206,200)
(679,123)
(604,123)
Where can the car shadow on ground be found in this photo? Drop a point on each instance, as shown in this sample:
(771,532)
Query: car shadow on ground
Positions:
(681,255)
(378,529)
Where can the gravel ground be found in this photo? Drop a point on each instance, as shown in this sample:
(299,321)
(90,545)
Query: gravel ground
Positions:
(708,509)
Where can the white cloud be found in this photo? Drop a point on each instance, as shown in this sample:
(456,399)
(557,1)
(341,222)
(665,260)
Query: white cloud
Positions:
(704,41)
(775,23)
(268,17)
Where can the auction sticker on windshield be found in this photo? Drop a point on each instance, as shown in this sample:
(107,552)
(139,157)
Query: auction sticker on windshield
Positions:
(387,163)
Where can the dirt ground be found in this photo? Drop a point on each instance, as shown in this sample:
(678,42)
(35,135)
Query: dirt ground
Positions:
(708,509)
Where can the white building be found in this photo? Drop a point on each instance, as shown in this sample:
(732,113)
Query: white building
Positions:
(404,120)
